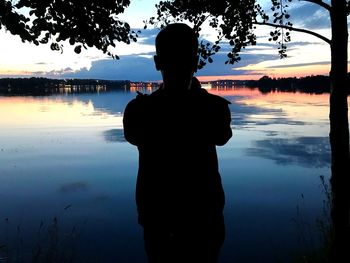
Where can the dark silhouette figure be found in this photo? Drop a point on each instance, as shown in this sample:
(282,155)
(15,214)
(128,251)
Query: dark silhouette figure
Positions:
(179,195)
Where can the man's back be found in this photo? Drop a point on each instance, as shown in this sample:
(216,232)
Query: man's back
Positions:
(176,135)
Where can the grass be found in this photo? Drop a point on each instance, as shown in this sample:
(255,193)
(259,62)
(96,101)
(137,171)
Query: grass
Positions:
(319,253)
(51,245)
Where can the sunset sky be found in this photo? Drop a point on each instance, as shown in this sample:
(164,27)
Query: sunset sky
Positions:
(307,55)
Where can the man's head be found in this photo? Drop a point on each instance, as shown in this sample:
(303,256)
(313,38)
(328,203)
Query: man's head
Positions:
(176,52)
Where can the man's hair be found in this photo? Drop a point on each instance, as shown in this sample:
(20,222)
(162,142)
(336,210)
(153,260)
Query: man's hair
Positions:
(177,45)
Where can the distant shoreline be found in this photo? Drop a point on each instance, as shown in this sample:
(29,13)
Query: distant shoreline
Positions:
(46,86)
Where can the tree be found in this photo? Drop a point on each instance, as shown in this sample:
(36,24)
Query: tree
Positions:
(82,23)
(235,21)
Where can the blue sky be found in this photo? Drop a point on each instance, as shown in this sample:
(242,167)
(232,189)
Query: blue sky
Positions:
(307,55)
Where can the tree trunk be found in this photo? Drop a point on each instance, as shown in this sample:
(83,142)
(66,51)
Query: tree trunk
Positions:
(339,134)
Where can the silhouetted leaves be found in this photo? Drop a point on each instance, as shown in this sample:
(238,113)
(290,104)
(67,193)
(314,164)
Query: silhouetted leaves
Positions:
(234,21)
(82,23)
(77,49)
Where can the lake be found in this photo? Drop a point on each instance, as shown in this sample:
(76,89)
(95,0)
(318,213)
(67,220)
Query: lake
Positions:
(68,176)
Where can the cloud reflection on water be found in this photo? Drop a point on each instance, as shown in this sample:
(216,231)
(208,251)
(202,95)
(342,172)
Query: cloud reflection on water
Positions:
(303,151)
(246,116)
(73,187)
(114,135)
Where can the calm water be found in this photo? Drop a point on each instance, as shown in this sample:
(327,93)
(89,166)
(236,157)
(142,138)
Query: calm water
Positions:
(64,157)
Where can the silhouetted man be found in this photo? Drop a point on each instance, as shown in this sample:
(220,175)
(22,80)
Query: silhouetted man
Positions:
(179,195)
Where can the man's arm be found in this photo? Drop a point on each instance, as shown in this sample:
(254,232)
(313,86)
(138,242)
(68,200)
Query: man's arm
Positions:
(131,122)
(223,131)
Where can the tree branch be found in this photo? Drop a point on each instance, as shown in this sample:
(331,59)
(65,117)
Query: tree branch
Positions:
(320,3)
(328,41)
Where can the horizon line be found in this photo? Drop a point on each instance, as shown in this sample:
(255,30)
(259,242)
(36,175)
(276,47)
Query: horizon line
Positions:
(200,78)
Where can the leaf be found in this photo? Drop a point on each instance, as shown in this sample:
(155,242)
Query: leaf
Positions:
(77,49)
(54,46)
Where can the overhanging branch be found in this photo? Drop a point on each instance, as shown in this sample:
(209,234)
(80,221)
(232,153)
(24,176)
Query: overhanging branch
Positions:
(328,41)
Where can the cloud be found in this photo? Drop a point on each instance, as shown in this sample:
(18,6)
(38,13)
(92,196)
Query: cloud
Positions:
(53,73)
(310,16)
(129,67)
(319,63)
(273,45)
(147,36)
(141,67)
(218,67)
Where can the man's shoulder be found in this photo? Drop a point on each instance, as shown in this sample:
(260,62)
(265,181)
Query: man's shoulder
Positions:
(143,101)
(214,98)
(139,99)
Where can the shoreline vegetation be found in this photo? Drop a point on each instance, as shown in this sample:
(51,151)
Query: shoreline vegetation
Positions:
(45,86)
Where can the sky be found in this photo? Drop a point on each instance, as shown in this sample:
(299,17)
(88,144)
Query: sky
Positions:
(306,55)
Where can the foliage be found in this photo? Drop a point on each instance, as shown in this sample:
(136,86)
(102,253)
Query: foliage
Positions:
(51,243)
(234,21)
(82,23)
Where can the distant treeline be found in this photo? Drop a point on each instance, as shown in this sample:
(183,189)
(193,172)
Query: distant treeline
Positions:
(309,84)
(46,86)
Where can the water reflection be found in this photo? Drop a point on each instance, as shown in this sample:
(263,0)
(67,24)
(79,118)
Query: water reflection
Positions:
(301,151)
(66,150)
(68,88)
(73,187)
(112,103)
(53,112)
(114,135)
(247,116)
